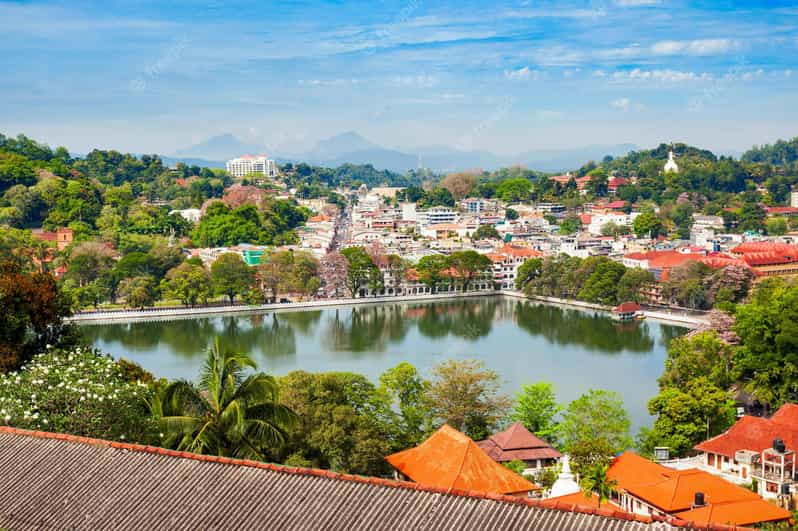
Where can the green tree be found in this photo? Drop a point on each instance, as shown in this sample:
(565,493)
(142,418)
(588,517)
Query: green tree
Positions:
(601,286)
(527,272)
(231,276)
(465,395)
(513,190)
(470,266)
(229,413)
(274,272)
(139,292)
(188,283)
(570,225)
(511,214)
(485,232)
(597,420)
(685,418)
(430,270)
(594,480)
(647,225)
(699,354)
(362,272)
(632,282)
(777,226)
(406,389)
(536,408)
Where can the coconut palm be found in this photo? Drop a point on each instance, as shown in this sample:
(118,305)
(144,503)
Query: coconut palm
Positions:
(229,413)
(595,481)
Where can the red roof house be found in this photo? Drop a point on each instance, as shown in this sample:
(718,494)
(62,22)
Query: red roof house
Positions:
(517,443)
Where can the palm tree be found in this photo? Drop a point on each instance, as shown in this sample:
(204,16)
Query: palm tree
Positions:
(595,480)
(228,414)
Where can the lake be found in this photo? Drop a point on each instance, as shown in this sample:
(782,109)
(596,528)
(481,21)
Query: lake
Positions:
(523,341)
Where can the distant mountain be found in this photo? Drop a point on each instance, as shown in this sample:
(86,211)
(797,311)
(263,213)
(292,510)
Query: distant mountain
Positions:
(351,147)
(188,161)
(222,147)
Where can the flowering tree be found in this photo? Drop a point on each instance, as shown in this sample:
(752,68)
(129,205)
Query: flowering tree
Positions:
(334,269)
(81,392)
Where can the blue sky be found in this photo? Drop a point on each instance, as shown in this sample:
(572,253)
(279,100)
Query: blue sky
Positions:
(504,76)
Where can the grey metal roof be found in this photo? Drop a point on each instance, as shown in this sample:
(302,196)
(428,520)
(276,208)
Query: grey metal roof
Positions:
(52,481)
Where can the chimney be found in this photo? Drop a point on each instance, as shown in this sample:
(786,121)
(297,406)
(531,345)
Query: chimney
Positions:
(698,501)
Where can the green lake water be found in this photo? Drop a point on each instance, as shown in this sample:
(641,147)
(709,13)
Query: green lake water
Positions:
(523,341)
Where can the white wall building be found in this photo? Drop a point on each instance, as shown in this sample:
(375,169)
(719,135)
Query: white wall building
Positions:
(437,216)
(794,199)
(599,220)
(246,164)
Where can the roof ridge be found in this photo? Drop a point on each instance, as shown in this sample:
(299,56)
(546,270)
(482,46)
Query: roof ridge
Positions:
(392,483)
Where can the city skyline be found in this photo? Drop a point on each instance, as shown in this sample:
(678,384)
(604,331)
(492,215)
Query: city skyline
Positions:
(503,77)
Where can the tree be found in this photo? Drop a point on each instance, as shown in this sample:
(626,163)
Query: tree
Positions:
(511,214)
(333,271)
(597,425)
(229,413)
(465,395)
(88,261)
(139,292)
(305,274)
(274,271)
(231,276)
(536,408)
(344,423)
(647,225)
(527,272)
(685,418)
(459,184)
(362,272)
(407,389)
(470,265)
(485,232)
(570,225)
(32,312)
(514,190)
(188,283)
(613,229)
(631,284)
(777,226)
(430,269)
(601,286)
(594,480)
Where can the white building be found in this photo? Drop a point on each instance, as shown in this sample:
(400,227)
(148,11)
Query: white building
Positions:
(597,221)
(437,216)
(794,199)
(189,214)
(671,165)
(246,164)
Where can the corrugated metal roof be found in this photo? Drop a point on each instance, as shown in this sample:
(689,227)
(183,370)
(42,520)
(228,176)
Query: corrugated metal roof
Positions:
(54,481)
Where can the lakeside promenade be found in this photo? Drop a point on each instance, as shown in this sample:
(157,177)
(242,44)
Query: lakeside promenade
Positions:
(682,318)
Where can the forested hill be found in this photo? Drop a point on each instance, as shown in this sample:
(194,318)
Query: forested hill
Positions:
(782,153)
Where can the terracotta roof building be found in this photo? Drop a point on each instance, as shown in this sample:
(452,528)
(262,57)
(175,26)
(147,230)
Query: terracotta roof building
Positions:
(55,481)
(451,460)
(648,488)
(517,443)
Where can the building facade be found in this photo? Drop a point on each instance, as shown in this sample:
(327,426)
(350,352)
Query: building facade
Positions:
(247,164)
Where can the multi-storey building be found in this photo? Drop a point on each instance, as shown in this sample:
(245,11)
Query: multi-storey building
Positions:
(247,164)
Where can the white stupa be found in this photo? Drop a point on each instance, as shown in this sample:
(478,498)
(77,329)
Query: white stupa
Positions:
(565,484)
(671,164)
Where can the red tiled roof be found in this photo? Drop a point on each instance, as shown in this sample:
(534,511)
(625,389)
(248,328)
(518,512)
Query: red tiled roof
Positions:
(520,251)
(615,205)
(781,210)
(747,512)
(449,459)
(627,307)
(134,487)
(578,498)
(756,433)
(517,442)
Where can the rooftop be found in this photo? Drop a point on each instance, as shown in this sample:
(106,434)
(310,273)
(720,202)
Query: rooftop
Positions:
(56,481)
(517,442)
(756,433)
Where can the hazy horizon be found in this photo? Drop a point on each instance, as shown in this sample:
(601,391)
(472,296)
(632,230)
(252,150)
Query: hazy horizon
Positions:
(504,77)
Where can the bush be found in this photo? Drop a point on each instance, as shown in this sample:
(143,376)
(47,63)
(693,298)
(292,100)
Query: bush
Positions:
(80,392)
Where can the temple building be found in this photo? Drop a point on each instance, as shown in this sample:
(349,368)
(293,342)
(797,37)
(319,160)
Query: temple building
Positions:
(671,165)
(517,443)
(450,460)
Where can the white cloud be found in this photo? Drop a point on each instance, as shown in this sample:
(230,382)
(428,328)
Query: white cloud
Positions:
(599,73)
(522,74)
(329,82)
(696,47)
(419,81)
(667,75)
(626,105)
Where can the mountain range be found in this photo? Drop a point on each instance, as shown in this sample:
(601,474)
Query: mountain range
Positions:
(351,147)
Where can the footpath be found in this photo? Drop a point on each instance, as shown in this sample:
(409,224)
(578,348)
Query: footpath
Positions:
(678,317)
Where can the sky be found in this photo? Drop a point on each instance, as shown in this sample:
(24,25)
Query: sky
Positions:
(501,76)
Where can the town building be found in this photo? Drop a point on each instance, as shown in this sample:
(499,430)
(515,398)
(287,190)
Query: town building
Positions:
(436,216)
(450,460)
(794,199)
(62,237)
(506,261)
(517,443)
(769,258)
(247,164)
(756,448)
(477,205)
(647,488)
(670,165)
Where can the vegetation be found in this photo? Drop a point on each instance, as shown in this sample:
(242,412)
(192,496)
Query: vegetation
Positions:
(229,413)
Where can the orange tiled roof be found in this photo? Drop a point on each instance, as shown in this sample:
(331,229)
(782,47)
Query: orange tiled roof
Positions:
(451,460)
(577,498)
(673,491)
(519,251)
(735,513)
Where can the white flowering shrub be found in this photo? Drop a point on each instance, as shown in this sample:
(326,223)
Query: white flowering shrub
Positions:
(81,392)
